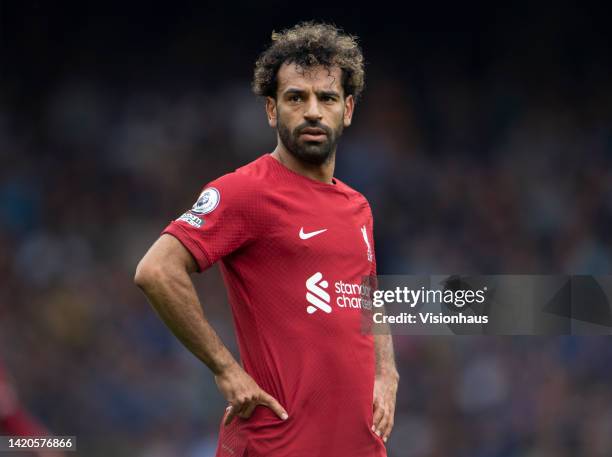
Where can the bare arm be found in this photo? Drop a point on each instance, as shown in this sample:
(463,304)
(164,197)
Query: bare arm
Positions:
(385,386)
(385,358)
(164,276)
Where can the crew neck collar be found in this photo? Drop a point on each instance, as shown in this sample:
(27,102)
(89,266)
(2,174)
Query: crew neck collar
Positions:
(335,185)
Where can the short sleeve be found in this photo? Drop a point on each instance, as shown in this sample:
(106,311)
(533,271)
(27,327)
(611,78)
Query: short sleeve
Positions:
(222,220)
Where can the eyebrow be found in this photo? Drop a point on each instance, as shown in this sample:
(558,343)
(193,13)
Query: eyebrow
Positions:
(329,93)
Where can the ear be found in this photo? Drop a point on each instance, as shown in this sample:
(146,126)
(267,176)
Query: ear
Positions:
(271,111)
(349,106)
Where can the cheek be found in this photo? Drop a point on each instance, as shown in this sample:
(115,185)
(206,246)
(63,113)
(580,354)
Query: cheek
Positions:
(286,122)
(338,116)
(288,116)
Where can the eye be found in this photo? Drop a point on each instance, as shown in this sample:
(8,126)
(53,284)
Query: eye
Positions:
(328,98)
(295,98)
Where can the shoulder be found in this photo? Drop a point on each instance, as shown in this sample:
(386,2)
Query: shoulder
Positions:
(242,186)
(245,176)
(356,197)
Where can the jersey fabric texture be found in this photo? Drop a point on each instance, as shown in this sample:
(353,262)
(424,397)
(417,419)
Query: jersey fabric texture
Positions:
(293,252)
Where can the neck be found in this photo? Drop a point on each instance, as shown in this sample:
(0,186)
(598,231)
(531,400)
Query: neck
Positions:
(323,172)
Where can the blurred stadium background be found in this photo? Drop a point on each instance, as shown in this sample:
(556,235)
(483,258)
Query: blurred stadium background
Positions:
(483,141)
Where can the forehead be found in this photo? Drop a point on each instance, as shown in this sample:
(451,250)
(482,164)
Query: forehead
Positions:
(315,78)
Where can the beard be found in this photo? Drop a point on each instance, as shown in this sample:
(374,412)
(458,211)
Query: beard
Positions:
(312,152)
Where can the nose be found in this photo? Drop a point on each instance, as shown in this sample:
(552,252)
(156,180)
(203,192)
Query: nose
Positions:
(312,112)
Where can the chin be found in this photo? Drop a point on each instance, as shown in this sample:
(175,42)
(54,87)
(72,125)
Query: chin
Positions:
(314,155)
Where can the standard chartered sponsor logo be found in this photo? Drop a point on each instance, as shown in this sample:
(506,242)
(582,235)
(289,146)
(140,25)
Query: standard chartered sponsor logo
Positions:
(351,295)
(316,296)
(347,295)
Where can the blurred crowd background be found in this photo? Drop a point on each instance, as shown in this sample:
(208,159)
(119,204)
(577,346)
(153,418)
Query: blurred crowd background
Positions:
(483,142)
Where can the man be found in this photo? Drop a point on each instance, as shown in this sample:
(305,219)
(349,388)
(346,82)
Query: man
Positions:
(293,241)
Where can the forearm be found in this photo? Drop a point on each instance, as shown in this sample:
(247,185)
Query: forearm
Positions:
(173,296)
(385,358)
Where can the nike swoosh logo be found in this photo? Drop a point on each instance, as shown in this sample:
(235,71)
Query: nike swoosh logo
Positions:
(305,236)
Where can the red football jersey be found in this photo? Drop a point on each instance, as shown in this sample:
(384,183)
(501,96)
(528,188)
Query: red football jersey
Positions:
(293,254)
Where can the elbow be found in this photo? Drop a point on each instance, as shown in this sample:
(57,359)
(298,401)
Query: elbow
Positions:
(147,274)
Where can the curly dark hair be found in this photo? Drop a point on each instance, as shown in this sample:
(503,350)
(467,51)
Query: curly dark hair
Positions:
(310,44)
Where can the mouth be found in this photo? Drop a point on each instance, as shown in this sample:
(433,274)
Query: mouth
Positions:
(313,134)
